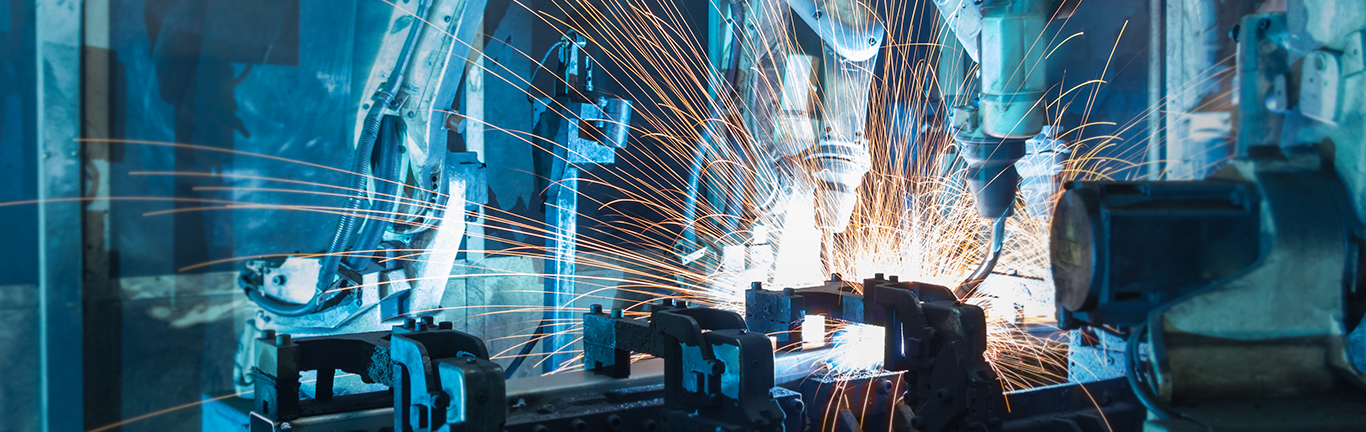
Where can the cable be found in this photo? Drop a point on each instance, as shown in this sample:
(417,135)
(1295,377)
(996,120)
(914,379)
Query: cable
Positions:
(1145,396)
(974,280)
(387,168)
(532,82)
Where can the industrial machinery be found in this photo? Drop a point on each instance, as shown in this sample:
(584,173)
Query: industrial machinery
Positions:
(1242,289)
(1231,302)
(1233,291)
(712,370)
(407,192)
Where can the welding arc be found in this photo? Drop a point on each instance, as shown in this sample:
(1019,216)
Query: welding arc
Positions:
(974,280)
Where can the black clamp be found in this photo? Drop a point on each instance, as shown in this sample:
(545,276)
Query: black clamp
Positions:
(718,376)
(440,379)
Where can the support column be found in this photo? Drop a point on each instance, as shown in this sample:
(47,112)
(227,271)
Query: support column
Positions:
(58,39)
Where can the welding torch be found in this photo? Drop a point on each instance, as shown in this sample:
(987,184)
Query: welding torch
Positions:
(990,132)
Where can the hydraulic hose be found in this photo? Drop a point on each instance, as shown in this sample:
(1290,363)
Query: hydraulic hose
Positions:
(998,236)
(386,191)
(346,225)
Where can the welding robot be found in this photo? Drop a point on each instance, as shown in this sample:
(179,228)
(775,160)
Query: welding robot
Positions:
(1238,296)
(402,224)
(806,131)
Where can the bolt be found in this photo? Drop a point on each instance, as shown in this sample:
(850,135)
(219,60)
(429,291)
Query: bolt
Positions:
(1263,24)
(613,422)
(666,302)
(818,14)
(595,309)
(411,114)
(278,280)
(877,276)
(918,422)
(286,426)
(481,397)
(789,292)
(446,18)
(717,367)
(649,425)
(884,387)
(1320,61)
(428,320)
(894,278)
(943,395)
(618,313)
(872,41)
(469,359)
(579,425)
(282,339)
(756,285)
(268,334)
(446,325)
(540,428)
(409,323)
(440,399)
(1233,32)
(1273,103)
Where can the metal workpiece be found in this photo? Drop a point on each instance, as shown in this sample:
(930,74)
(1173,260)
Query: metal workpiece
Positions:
(717,374)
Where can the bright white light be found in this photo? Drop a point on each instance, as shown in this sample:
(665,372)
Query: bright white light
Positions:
(857,347)
(798,261)
(813,331)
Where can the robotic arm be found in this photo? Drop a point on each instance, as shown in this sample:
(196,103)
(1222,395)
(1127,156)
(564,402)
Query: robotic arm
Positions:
(407,192)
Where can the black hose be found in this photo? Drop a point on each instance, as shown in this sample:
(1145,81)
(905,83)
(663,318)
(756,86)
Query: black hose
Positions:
(386,191)
(974,280)
(1141,390)
(346,225)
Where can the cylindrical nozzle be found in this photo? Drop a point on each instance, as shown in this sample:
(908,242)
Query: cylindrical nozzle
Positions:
(991,173)
(838,168)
